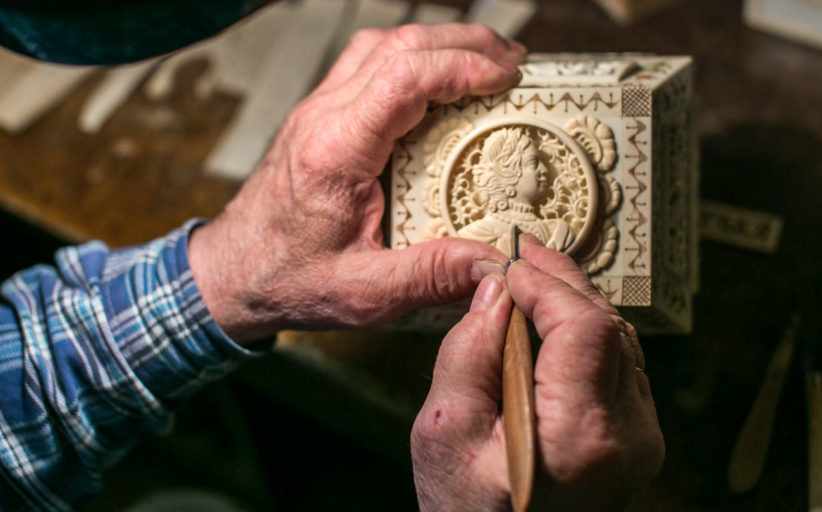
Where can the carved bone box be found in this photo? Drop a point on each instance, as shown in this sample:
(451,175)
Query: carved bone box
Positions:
(596,155)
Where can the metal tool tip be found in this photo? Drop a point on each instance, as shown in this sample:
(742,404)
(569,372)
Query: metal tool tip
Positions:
(514,248)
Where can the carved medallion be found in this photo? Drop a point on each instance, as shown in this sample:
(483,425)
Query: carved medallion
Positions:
(528,173)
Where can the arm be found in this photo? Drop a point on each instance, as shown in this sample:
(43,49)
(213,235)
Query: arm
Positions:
(598,439)
(98,347)
(94,350)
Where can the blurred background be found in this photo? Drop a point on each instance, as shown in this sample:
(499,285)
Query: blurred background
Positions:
(126,154)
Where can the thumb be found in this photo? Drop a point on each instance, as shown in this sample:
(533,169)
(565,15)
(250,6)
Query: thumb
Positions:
(427,274)
(469,362)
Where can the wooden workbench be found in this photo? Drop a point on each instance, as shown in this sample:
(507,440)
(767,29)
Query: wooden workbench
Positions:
(761,132)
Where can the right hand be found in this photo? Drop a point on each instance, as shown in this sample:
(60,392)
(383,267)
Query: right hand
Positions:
(598,438)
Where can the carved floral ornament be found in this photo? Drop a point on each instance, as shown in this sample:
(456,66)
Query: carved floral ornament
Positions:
(551,182)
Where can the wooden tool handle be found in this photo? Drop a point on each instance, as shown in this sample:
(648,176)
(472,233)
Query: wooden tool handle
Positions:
(518,416)
(813,389)
(751,448)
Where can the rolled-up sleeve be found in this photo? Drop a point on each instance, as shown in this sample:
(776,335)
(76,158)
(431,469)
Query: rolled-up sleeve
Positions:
(93,351)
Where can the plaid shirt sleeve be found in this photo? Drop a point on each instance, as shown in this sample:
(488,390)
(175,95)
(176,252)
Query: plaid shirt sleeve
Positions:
(92,351)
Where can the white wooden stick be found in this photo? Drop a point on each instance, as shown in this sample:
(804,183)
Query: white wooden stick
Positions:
(506,17)
(379,14)
(35,91)
(234,57)
(369,14)
(434,14)
(113,91)
(286,73)
(12,68)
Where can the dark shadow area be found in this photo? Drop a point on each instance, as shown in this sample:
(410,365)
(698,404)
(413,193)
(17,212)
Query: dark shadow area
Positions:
(705,385)
(24,245)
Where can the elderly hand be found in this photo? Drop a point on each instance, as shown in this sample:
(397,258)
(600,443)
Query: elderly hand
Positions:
(598,439)
(301,245)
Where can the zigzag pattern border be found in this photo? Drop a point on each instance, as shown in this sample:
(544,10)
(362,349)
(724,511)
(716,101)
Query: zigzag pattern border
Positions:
(636,215)
(491,102)
(404,188)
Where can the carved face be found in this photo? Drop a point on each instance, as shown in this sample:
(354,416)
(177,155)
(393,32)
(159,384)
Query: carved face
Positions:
(534,177)
(509,169)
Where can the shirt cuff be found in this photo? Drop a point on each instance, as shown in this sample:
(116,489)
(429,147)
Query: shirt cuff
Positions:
(159,320)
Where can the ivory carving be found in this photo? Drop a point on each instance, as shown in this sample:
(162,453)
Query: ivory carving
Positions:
(510,174)
(593,155)
(595,71)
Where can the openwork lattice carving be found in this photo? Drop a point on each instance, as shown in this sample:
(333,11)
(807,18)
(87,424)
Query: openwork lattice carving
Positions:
(439,144)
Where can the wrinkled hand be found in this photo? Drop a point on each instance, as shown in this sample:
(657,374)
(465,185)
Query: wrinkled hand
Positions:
(598,438)
(301,244)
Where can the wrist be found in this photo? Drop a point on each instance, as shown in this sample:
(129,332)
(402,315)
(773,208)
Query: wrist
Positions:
(213,258)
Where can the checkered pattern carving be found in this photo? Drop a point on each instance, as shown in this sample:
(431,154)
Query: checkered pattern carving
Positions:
(636,102)
(636,291)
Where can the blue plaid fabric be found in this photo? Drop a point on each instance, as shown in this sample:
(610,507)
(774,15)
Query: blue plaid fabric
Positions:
(93,351)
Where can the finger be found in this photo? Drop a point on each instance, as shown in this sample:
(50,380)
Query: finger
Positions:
(580,354)
(388,283)
(633,380)
(451,433)
(563,267)
(469,362)
(456,36)
(397,95)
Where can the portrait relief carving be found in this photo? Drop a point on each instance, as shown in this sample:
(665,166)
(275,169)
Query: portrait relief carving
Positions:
(534,176)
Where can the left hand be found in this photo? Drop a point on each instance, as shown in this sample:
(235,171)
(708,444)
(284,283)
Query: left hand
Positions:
(301,245)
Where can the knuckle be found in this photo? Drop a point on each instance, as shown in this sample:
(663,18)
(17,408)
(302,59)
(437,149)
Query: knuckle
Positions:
(401,70)
(565,261)
(366,37)
(597,453)
(596,330)
(400,81)
(429,425)
(411,36)
(440,285)
(484,33)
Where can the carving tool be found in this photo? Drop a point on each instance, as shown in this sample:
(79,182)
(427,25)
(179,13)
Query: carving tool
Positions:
(518,415)
(751,449)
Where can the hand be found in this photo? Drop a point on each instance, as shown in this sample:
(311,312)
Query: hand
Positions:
(598,438)
(301,245)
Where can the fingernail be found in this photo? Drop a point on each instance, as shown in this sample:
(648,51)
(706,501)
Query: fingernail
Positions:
(522,262)
(481,268)
(515,46)
(510,67)
(487,292)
